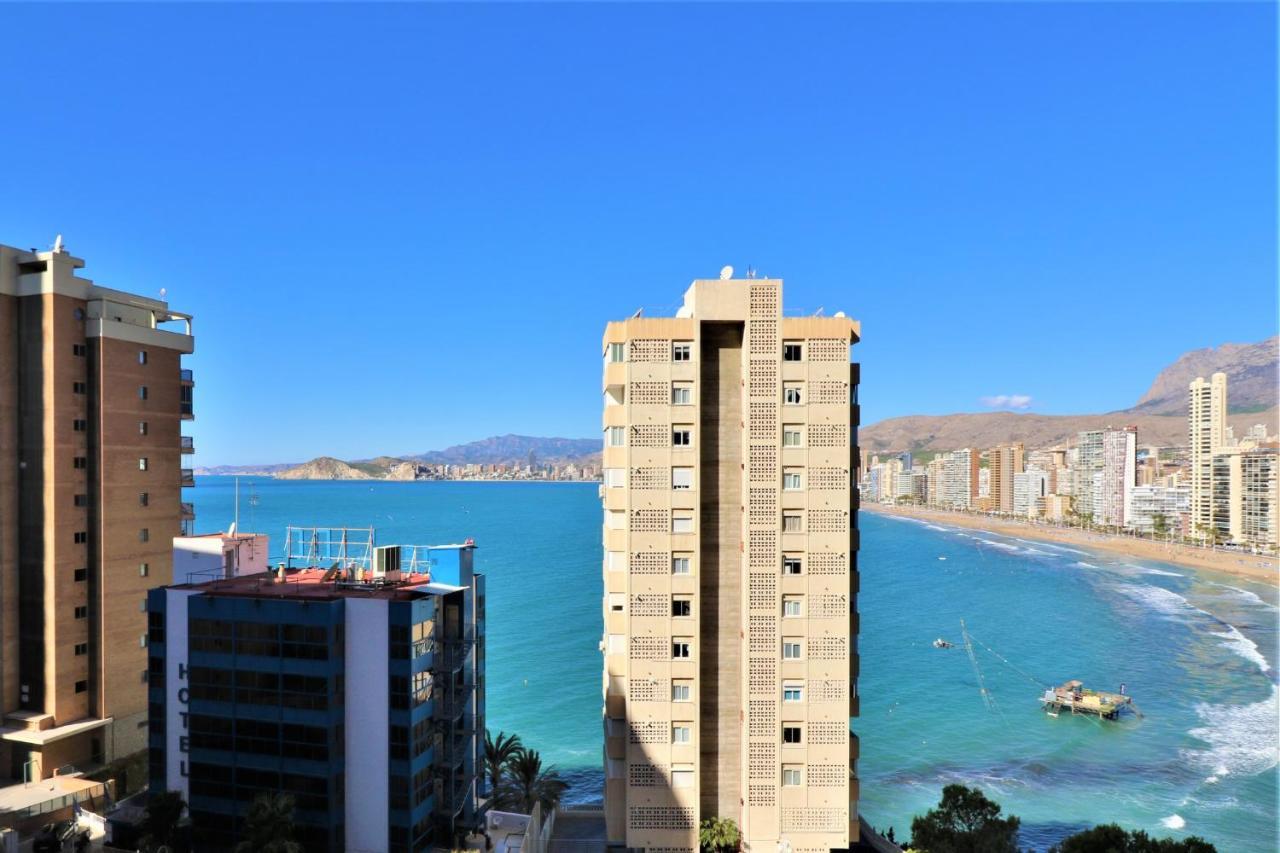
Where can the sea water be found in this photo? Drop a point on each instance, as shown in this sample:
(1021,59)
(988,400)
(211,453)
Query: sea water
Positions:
(1196,650)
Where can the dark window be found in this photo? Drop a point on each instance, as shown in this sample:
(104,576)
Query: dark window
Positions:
(79,425)
(142,356)
(792,352)
(142,427)
(80,462)
(82,575)
(82,611)
(82,649)
(791,734)
(681,607)
(81,500)
(78,350)
(79,388)
(144,499)
(144,535)
(791,566)
(82,686)
(81,537)
(142,392)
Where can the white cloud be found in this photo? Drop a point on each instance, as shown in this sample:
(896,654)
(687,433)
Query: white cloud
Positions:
(1007,401)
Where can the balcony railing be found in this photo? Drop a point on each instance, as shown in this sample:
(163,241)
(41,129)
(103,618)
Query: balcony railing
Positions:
(188,444)
(186,375)
(188,509)
(187,477)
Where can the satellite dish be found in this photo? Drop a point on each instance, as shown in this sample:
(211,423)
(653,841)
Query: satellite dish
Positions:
(57,244)
(726,273)
(163,292)
(839,313)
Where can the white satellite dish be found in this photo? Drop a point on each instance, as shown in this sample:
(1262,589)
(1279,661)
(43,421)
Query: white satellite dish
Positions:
(57,244)
(164,291)
(726,273)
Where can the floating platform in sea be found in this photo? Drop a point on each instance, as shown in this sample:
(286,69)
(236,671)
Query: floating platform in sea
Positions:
(1074,697)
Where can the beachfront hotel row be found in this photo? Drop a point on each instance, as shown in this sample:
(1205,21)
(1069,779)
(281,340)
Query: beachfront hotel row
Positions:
(730,573)
(1219,488)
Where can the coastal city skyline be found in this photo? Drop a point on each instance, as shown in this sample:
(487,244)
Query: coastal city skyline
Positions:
(1053,191)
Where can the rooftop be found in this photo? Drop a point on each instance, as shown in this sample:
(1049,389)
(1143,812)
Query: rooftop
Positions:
(321,584)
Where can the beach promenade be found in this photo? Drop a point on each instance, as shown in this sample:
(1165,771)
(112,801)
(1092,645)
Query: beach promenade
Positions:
(1260,567)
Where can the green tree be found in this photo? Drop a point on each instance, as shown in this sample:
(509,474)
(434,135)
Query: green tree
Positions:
(717,835)
(161,821)
(269,825)
(965,821)
(1110,838)
(1159,524)
(497,754)
(527,782)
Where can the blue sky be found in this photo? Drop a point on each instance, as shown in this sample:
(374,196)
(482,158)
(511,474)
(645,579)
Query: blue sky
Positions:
(401,227)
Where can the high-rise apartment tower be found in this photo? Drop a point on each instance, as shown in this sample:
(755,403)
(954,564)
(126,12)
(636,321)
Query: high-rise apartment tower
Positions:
(92,399)
(730,539)
(1206,432)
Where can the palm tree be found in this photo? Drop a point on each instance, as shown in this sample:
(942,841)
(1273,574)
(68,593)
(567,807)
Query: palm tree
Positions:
(718,835)
(269,825)
(527,784)
(160,825)
(497,754)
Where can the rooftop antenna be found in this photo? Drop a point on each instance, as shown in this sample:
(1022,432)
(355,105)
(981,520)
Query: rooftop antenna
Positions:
(57,244)
(639,311)
(751,272)
(726,272)
(818,313)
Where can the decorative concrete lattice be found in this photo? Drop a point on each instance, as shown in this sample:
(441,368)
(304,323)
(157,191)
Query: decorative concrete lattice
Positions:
(825,605)
(762,634)
(651,521)
(762,466)
(650,350)
(762,505)
(651,478)
(651,435)
(762,591)
(765,300)
(762,759)
(763,336)
(828,435)
(828,521)
(649,394)
(827,391)
(661,817)
(828,349)
(762,421)
(826,775)
(649,690)
(650,604)
(650,648)
(828,479)
(828,563)
(762,378)
(827,690)
(650,731)
(761,795)
(762,718)
(647,775)
(651,563)
(762,675)
(828,733)
(762,546)
(828,648)
(814,819)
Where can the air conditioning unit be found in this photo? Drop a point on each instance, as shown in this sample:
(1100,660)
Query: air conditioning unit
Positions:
(386,562)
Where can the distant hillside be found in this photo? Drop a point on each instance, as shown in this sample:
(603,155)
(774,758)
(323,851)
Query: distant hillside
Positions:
(244,470)
(1160,415)
(325,468)
(1253,378)
(512,448)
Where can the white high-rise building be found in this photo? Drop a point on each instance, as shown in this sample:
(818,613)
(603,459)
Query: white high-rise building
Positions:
(1206,433)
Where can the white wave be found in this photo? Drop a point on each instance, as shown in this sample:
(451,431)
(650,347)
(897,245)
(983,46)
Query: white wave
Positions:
(1036,551)
(1241,738)
(936,527)
(1243,646)
(1004,545)
(1147,570)
(1251,597)
(1086,565)
(1173,821)
(1158,599)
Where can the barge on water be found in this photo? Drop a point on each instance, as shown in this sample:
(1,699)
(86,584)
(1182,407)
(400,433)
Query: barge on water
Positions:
(1073,697)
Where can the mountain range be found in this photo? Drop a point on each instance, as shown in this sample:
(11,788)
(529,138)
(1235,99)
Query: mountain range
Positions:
(1159,414)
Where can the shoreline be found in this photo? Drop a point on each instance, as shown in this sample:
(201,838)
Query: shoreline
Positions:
(1252,566)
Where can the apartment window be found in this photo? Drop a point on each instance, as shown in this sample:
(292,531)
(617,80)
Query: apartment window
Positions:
(792,693)
(144,569)
(82,611)
(142,641)
(791,777)
(682,479)
(81,537)
(80,500)
(142,427)
(681,564)
(144,499)
(681,606)
(791,480)
(142,356)
(142,463)
(792,393)
(615,478)
(82,649)
(682,436)
(82,686)
(682,523)
(79,350)
(791,649)
(792,522)
(617,602)
(680,648)
(791,733)
(681,351)
(617,353)
(792,352)
(79,388)
(681,394)
(144,535)
(617,436)
(682,691)
(792,606)
(79,425)
(682,733)
(682,777)
(80,462)
(142,392)
(792,566)
(81,575)
(792,436)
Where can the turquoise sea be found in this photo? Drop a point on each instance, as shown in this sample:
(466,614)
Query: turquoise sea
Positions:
(1198,651)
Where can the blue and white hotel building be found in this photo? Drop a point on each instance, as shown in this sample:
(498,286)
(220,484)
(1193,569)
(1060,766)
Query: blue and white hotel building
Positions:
(355,684)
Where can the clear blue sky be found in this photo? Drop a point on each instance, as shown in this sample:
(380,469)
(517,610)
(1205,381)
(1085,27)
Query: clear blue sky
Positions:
(382,215)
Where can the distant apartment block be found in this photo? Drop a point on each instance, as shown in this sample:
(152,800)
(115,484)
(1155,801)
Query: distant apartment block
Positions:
(730,573)
(1206,432)
(351,678)
(92,400)
(1003,463)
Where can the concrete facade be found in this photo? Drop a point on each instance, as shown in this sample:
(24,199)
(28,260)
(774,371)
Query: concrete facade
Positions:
(730,574)
(92,396)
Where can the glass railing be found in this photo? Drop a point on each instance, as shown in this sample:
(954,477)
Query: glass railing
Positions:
(186,375)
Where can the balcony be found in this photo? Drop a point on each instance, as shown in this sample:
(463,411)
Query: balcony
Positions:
(186,394)
(188,510)
(187,444)
(186,478)
(186,377)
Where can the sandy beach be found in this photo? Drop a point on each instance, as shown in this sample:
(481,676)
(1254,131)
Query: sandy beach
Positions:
(1230,562)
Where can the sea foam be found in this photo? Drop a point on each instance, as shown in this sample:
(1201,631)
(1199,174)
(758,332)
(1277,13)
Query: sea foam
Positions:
(1241,738)
(1243,646)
